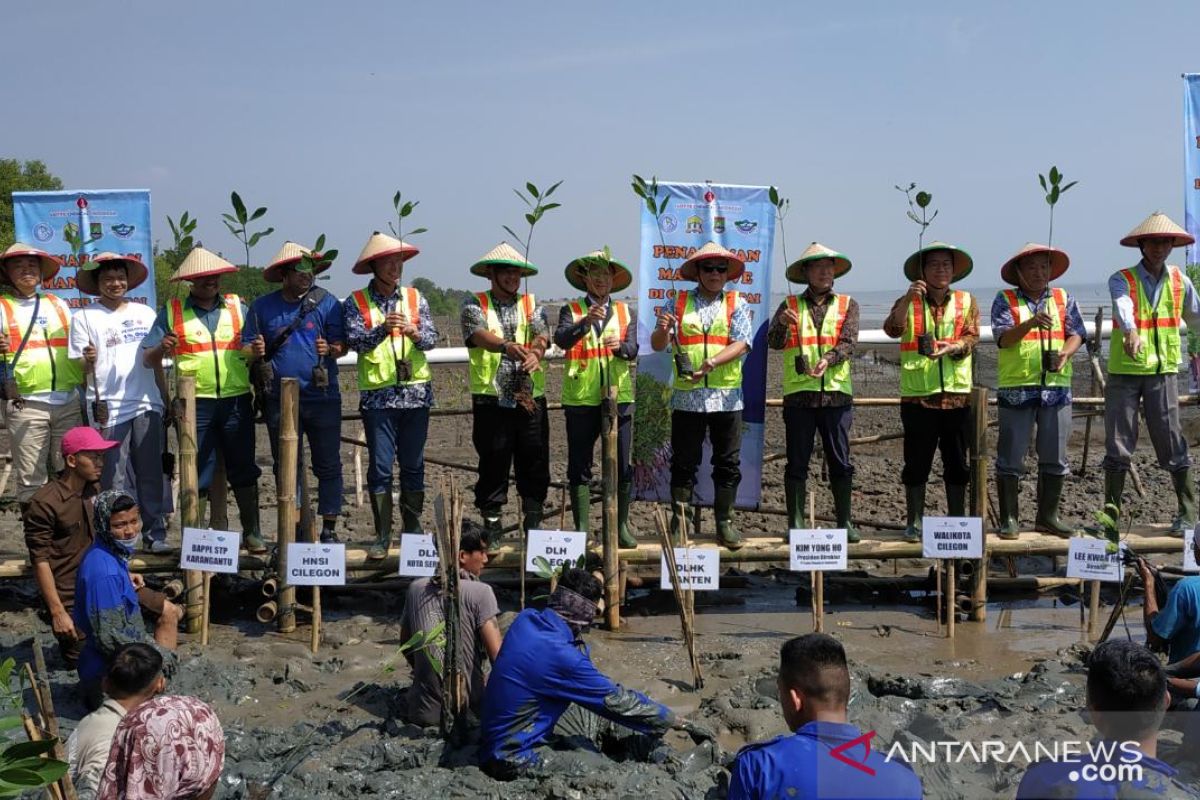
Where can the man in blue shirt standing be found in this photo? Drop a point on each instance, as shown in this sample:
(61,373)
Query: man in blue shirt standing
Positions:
(1176,626)
(825,756)
(294,331)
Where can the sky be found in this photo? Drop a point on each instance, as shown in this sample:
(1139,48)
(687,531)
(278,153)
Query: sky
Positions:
(321,111)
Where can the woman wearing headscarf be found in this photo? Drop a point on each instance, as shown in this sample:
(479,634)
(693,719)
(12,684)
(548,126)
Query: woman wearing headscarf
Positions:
(106,602)
(168,748)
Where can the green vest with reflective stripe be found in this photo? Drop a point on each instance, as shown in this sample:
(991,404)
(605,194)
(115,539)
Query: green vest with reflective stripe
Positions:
(44,365)
(1021,365)
(700,344)
(590,366)
(1158,326)
(485,364)
(921,376)
(804,339)
(214,358)
(377,369)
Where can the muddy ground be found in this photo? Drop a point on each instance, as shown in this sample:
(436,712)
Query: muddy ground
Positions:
(290,725)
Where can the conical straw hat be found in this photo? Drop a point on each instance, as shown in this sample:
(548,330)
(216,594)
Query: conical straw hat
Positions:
(797,271)
(201,263)
(502,255)
(713,250)
(49,263)
(1158,226)
(622,277)
(88,279)
(1059,261)
(962,261)
(378,246)
(290,253)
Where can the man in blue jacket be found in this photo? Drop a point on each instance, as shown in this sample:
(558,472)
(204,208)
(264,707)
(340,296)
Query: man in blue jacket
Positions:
(824,756)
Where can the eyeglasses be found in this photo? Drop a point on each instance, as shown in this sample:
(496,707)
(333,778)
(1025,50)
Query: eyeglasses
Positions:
(714,267)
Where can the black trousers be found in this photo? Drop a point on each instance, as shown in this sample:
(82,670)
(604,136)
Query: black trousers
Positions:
(583,429)
(927,430)
(508,437)
(833,423)
(724,430)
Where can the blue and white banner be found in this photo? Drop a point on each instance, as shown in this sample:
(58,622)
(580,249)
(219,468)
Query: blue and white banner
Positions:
(114,220)
(1191,155)
(742,219)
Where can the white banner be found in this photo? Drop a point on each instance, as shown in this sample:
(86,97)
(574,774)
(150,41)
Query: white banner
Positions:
(699,569)
(818,550)
(316,564)
(418,556)
(1088,559)
(952,537)
(560,548)
(210,551)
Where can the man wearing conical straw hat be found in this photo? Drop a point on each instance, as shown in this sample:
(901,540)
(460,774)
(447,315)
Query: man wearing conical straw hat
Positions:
(599,339)
(295,330)
(1149,300)
(106,339)
(507,336)
(391,329)
(714,330)
(938,328)
(42,382)
(203,333)
(816,332)
(1038,329)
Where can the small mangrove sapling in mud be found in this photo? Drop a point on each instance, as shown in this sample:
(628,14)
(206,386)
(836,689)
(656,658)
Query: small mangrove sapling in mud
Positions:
(403,210)
(919,200)
(28,765)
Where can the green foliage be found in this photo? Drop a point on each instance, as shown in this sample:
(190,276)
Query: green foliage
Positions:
(77,244)
(1193,337)
(1054,189)
(22,765)
(442,302)
(320,258)
(782,204)
(403,209)
(418,642)
(239,221)
(542,566)
(538,206)
(17,176)
(649,194)
(920,200)
(1109,521)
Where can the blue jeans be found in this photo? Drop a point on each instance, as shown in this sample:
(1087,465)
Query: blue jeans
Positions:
(396,434)
(321,424)
(226,423)
(135,467)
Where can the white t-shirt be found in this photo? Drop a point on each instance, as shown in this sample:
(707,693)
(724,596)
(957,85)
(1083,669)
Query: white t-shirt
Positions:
(125,383)
(88,746)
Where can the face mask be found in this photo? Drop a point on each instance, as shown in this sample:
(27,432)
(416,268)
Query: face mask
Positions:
(126,546)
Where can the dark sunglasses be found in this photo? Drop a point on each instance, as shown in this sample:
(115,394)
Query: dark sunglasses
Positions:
(711,267)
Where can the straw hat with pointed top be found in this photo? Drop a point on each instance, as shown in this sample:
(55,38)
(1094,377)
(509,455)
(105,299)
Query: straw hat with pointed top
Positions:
(88,279)
(290,253)
(962,261)
(378,246)
(622,277)
(1158,226)
(688,269)
(1059,261)
(797,271)
(502,255)
(49,263)
(201,263)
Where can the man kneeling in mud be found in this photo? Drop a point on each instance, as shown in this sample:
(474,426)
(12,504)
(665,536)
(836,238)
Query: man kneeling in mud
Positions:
(544,693)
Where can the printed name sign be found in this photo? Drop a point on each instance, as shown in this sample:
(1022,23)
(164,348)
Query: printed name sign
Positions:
(1089,559)
(817,550)
(699,569)
(316,564)
(558,547)
(209,550)
(952,537)
(418,556)
(1189,553)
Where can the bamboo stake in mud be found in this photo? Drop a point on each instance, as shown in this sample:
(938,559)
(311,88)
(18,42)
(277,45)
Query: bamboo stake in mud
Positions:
(285,488)
(47,710)
(205,608)
(816,578)
(951,607)
(189,494)
(979,499)
(562,508)
(1093,346)
(524,543)
(686,618)
(937,595)
(447,533)
(608,449)
(358,471)
(1093,609)
(315,642)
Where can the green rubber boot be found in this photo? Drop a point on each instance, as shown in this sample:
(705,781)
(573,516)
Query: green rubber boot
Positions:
(626,537)
(723,498)
(956,500)
(1185,493)
(914,507)
(795,495)
(493,527)
(581,500)
(1008,489)
(842,489)
(411,506)
(681,498)
(247,503)
(1049,496)
(381,512)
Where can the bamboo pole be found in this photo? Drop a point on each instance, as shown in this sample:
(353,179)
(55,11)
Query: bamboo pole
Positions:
(686,619)
(1093,346)
(358,472)
(289,445)
(51,719)
(189,496)
(524,543)
(206,583)
(1093,609)
(979,499)
(608,448)
(218,496)
(951,607)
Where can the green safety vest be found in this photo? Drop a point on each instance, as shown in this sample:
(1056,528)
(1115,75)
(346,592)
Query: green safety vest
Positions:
(44,365)
(1021,365)
(921,376)
(1158,326)
(377,369)
(214,358)
(804,339)
(485,364)
(699,344)
(590,366)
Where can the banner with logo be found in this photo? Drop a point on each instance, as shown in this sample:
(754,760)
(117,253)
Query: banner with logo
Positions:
(742,219)
(1191,198)
(112,220)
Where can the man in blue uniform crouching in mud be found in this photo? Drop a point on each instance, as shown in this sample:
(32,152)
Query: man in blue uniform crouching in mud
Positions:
(545,696)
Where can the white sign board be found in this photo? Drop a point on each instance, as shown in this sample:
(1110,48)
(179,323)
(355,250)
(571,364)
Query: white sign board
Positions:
(560,548)
(316,564)
(1088,559)
(817,550)
(210,551)
(1189,552)
(699,569)
(952,537)
(418,556)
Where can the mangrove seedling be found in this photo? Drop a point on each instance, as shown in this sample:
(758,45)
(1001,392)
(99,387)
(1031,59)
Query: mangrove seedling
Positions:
(27,765)
(536,201)
(919,199)
(181,233)
(403,209)
(649,194)
(239,221)
(1054,189)
(319,258)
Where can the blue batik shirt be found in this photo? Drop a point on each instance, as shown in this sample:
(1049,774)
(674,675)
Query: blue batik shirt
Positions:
(708,401)
(1079,778)
(364,340)
(1002,322)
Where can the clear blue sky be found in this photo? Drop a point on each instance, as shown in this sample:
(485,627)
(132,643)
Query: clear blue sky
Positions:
(320,111)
